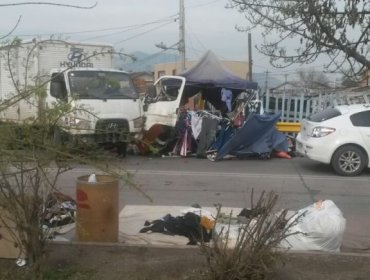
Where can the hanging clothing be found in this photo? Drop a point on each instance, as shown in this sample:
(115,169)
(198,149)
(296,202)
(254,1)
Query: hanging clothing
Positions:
(207,135)
(196,124)
(227,96)
(186,144)
(183,127)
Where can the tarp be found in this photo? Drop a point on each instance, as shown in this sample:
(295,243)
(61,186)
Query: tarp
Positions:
(210,72)
(257,136)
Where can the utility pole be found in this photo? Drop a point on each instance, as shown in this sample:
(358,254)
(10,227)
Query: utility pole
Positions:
(182,35)
(266,81)
(283,101)
(250,56)
(267,95)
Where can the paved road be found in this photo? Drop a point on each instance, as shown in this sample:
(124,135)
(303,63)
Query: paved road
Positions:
(299,182)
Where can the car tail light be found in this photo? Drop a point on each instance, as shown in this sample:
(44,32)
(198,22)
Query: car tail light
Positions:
(321,131)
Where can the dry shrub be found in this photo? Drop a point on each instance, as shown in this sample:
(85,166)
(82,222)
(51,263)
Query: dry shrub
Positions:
(254,253)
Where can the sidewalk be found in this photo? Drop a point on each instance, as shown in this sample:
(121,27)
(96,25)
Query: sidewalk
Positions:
(159,256)
(133,217)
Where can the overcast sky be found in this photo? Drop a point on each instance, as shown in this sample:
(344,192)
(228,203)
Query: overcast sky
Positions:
(137,25)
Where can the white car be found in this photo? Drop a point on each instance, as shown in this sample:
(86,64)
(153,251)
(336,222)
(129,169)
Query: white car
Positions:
(339,136)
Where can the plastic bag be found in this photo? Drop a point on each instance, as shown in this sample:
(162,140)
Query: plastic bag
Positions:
(320,227)
(92,179)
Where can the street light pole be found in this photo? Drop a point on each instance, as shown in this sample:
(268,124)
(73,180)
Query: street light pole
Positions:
(250,75)
(181,43)
(182,35)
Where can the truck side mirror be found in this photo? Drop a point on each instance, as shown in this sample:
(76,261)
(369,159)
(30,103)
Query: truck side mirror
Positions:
(58,90)
(149,97)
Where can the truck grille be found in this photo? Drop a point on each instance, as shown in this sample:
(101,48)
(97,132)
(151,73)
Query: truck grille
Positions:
(111,131)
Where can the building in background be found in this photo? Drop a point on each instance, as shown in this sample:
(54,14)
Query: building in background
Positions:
(239,68)
(296,88)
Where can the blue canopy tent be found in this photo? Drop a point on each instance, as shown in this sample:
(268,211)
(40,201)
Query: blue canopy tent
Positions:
(209,75)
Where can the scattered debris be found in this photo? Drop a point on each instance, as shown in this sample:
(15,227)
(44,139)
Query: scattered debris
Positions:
(195,223)
(59,211)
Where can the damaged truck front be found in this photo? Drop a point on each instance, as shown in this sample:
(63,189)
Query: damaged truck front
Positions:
(161,106)
(162,101)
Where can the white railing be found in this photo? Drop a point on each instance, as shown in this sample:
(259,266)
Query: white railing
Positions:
(295,108)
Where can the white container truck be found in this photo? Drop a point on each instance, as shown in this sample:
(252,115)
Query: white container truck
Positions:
(107,109)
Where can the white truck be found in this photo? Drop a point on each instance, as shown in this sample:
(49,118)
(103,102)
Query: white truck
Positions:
(80,74)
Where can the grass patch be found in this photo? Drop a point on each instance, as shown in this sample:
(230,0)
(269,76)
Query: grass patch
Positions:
(50,274)
(68,274)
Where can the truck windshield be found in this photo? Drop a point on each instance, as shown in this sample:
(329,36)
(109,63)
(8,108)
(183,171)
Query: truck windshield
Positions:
(101,85)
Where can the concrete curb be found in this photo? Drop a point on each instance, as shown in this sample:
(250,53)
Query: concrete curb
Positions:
(176,262)
(355,253)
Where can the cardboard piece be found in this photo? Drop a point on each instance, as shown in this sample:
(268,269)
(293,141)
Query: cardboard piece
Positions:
(9,247)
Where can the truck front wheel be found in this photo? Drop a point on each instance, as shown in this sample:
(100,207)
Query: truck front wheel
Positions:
(121,149)
(57,136)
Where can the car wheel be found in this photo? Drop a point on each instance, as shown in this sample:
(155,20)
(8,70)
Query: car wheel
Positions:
(349,161)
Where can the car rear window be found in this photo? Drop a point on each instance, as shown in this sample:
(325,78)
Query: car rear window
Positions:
(324,115)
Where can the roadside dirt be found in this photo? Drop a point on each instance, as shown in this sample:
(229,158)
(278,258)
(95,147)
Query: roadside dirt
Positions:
(112,262)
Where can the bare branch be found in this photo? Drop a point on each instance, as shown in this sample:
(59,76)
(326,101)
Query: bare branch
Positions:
(328,27)
(12,30)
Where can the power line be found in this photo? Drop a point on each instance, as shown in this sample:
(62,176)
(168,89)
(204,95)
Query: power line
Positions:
(148,58)
(142,33)
(201,5)
(120,32)
(129,27)
(196,38)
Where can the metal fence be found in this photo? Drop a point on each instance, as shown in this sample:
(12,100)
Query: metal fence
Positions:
(295,108)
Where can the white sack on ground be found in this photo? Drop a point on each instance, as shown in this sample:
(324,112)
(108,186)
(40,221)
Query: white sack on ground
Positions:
(321,228)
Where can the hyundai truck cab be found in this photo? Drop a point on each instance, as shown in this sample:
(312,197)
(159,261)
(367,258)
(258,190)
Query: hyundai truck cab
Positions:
(105,108)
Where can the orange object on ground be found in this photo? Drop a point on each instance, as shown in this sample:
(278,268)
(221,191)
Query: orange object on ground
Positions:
(282,154)
(206,222)
(149,138)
